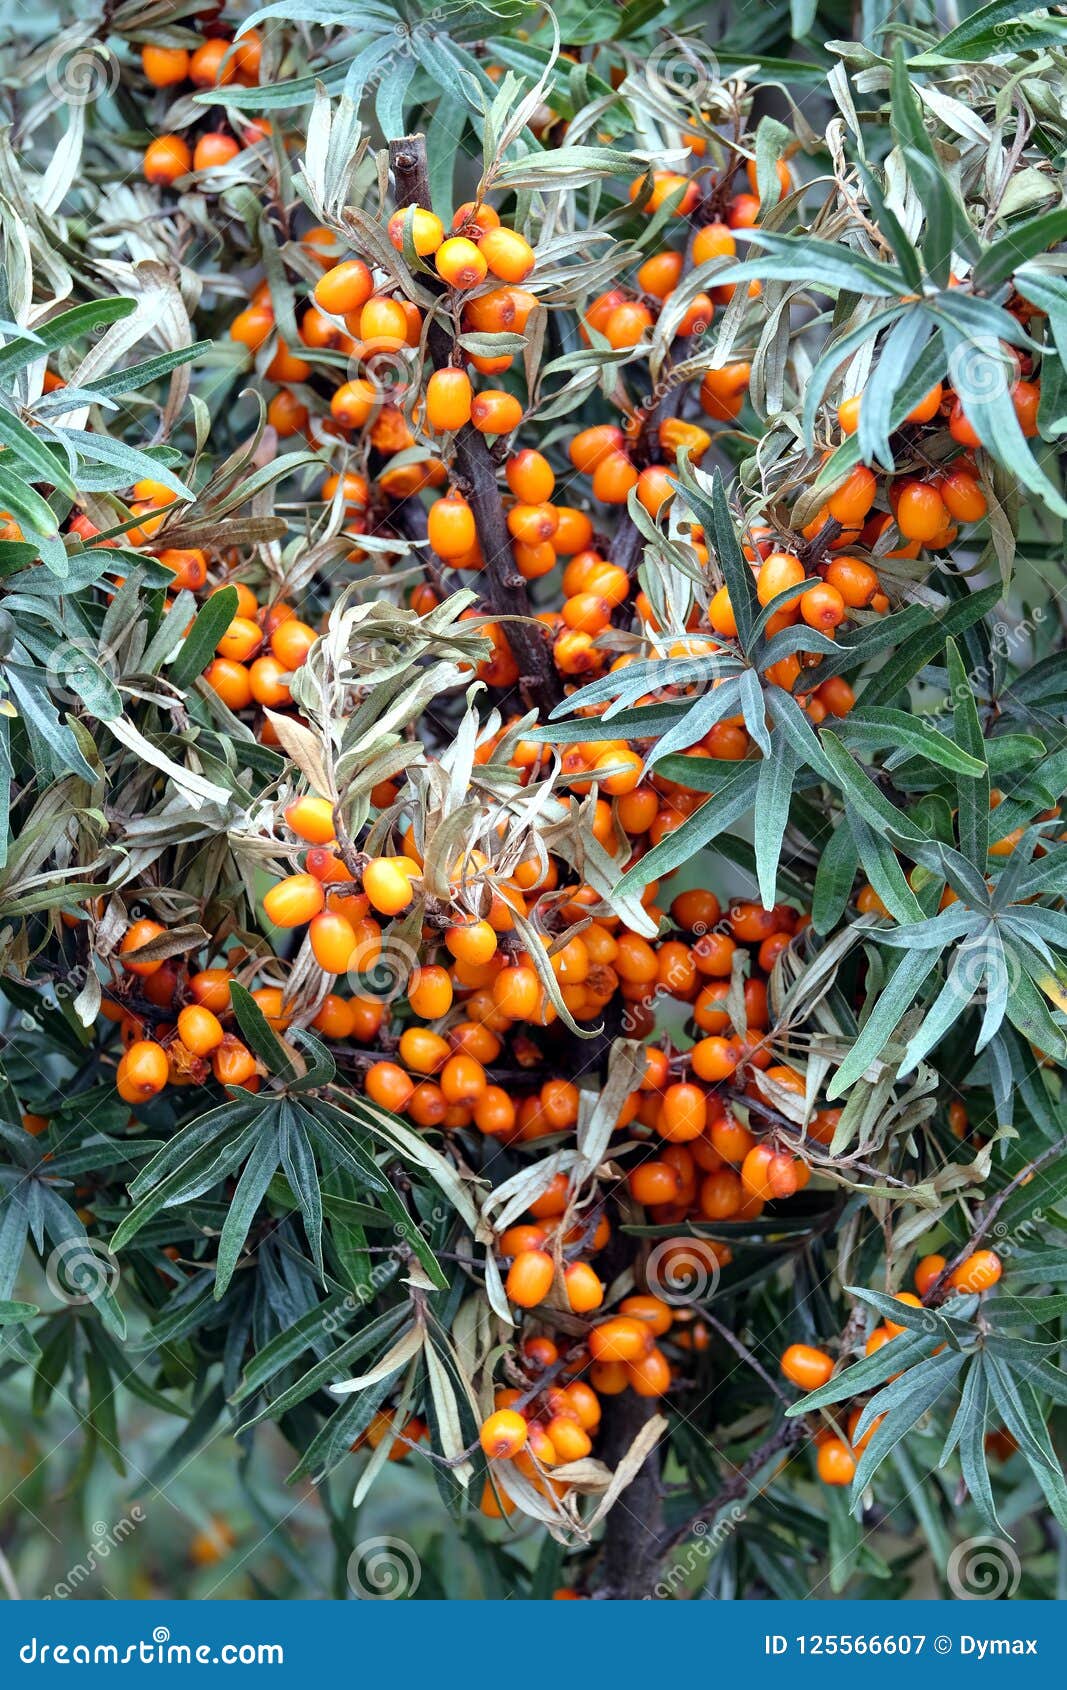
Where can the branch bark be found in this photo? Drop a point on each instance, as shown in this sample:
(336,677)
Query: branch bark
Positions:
(474,473)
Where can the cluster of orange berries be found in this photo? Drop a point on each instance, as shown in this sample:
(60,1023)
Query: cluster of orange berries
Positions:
(810,1368)
(215,63)
(552,1419)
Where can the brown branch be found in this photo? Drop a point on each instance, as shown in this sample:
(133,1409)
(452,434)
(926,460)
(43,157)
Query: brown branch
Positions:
(1049,1154)
(787,1434)
(474,473)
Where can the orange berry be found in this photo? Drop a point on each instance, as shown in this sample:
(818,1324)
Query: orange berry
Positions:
(294,900)
(530,1278)
(806,1367)
(165,66)
(835,1462)
(503,1435)
(977,1273)
(199,1030)
(165,159)
(460,263)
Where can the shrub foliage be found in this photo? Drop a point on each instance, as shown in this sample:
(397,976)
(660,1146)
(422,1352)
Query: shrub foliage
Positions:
(532,896)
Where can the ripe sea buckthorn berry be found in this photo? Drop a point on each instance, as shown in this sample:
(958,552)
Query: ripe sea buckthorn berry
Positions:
(627,323)
(463,1079)
(962,496)
(517,992)
(613,478)
(714,240)
(519,1238)
(241,640)
(233,1063)
(837,695)
(333,942)
(848,414)
(482,217)
(860,1444)
(287,414)
(715,1058)
(166,158)
(665,184)
(345,287)
(137,935)
(422,1051)
(530,477)
(530,1278)
(978,1273)
(143,1071)
(721,1195)
(653,1183)
(383,321)
(822,608)
(570,1440)
(503,1435)
(658,1315)
(593,445)
(1025,398)
(448,400)
(427,231)
(650,1375)
(199,1030)
(495,412)
(268,680)
(927,1272)
(583,1288)
(388,1085)
(450,526)
(294,900)
(165,66)
(430,991)
(460,263)
(336,1017)
(211,987)
(835,1462)
(778,572)
(855,580)
(851,502)
(683,1113)
(473,941)
(311,819)
(620,1338)
(553,1200)
(206,67)
(921,512)
(353,402)
(660,274)
(387,881)
(508,255)
(807,1367)
(928,406)
(721,614)
(214,150)
(696,910)
(881,1335)
(494,1111)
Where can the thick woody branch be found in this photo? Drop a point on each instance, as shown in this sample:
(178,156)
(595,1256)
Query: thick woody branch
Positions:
(474,473)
